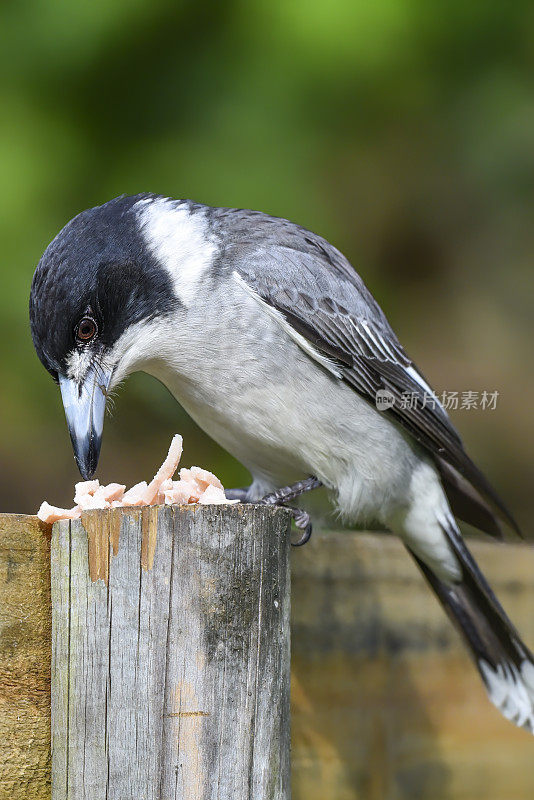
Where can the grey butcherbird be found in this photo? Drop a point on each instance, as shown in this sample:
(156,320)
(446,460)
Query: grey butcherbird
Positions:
(272,343)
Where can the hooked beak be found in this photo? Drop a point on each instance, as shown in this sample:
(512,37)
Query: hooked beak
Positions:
(85,405)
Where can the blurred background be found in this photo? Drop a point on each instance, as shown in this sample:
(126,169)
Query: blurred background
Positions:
(401,130)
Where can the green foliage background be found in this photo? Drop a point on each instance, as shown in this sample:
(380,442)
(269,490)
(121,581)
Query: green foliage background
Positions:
(402,130)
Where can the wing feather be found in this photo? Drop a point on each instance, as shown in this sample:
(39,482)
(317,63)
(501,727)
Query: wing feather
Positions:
(324,300)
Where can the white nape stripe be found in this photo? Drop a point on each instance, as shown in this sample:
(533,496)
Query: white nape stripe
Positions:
(303,343)
(511,692)
(180,240)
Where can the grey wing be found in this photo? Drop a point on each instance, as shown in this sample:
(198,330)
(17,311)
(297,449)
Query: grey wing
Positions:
(324,300)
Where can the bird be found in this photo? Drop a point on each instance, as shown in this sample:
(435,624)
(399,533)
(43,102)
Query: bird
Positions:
(270,340)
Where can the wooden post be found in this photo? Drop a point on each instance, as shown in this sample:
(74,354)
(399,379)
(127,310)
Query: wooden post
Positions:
(24,658)
(385,700)
(170,654)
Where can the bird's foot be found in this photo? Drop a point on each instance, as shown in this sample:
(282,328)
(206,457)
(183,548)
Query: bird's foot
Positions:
(282,496)
(288,493)
(303,523)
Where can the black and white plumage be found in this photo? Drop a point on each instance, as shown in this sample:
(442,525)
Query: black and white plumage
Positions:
(270,340)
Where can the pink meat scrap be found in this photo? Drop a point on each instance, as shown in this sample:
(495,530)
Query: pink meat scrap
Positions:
(196,485)
(213,495)
(113,491)
(167,469)
(136,495)
(48,513)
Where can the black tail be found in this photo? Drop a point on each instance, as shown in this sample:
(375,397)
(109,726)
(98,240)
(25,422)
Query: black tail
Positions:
(503,660)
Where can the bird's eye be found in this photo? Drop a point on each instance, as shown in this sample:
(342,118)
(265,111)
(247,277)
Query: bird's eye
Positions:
(86,329)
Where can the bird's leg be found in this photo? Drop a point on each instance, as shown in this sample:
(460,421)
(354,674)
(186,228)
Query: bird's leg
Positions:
(301,518)
(237,494)
(286,493)
(279,496)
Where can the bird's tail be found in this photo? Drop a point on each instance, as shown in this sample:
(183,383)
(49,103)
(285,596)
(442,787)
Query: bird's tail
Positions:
(503,660)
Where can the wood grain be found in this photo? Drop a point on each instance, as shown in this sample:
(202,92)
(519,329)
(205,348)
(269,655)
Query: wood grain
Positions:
(170,675)
(386,703)
(24,658)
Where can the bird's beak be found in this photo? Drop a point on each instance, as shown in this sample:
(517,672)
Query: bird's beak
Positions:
(85,405)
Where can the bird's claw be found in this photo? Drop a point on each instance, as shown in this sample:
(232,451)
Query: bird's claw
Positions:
(282,496)
(302,521)
(301,518)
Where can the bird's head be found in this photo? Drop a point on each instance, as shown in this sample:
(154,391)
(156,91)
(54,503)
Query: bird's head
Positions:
(98,292)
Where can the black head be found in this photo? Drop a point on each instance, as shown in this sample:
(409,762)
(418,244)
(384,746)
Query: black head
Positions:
(97,267)
(95,280)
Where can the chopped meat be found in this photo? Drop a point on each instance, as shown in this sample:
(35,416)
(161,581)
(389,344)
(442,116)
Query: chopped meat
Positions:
(215,495)
(180,492)
(87,502)
(113,491)
(196,485)
(194,491)
(167,469)
(85,487)
(165,486)
(205,478)
(136,495)
(48,513)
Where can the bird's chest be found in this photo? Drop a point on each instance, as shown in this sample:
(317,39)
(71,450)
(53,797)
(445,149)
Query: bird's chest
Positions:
(240,387)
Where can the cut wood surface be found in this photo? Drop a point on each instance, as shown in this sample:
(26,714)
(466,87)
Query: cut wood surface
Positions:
(170,654)
(386,704)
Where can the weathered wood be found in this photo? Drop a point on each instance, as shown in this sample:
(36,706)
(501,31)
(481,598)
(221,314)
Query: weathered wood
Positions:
(170,665)
(386,702)
(24,659)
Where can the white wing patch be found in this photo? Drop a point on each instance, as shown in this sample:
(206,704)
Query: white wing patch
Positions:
(180,240)
(382,346)
(422,383)
(303,343)
(377,340)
